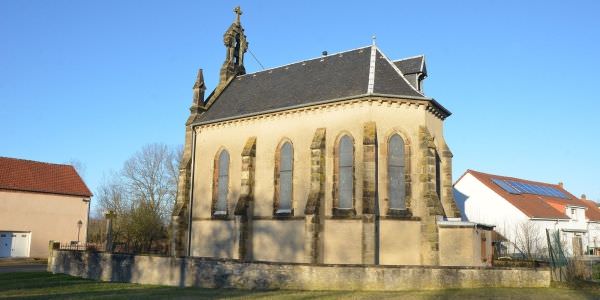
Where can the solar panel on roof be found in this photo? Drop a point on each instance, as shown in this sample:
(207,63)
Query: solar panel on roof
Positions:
(505,186)
(534,189)
(558,193)
(550,192)
(538,190)
(516,187)
(544,191)
(528,188)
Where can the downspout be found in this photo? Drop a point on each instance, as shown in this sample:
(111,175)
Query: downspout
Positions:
(190,210)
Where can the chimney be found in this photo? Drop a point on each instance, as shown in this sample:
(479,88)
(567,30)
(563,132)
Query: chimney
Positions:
(560,183)
(583,196)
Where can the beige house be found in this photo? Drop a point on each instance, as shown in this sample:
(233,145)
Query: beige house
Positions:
(40,202)
(340,159)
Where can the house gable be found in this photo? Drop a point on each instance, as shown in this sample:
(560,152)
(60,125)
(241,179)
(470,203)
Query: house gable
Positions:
(482,204)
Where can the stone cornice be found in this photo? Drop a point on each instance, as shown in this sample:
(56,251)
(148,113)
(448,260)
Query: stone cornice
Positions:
(429,104)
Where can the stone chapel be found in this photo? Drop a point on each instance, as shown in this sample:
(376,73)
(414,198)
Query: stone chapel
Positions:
(339,159)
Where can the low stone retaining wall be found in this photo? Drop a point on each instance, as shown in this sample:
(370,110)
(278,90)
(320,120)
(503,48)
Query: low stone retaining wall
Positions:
(226,273)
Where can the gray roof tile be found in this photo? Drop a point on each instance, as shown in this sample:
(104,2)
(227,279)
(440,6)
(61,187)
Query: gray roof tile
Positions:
(327,78)
(412,65)
(388,81)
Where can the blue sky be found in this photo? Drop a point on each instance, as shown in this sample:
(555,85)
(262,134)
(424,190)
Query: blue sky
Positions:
(97,80)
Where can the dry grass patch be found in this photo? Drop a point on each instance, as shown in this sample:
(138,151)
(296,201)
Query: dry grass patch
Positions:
(42,285)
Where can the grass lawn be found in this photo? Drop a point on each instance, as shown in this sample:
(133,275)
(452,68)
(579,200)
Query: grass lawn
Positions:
(42,285)
(22,261)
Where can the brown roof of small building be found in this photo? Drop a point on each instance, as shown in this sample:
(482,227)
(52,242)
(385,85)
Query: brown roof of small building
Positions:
(535,206)
(41,177)
(592,212)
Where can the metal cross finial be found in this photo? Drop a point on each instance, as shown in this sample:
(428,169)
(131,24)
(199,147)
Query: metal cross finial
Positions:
(238,12)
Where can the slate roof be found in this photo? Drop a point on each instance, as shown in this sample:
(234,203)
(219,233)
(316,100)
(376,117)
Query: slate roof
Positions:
(412,65)
(324,79)
(41,177)
(534,206)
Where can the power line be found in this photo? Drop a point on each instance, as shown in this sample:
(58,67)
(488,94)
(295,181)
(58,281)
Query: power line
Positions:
(261,65)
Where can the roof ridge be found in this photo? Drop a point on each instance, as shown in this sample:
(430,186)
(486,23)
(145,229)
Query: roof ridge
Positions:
(516,178)
(397,70)
(35,161)
(372,64)
(301,61)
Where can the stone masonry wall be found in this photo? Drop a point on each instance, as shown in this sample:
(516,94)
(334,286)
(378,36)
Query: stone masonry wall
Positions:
(226,273)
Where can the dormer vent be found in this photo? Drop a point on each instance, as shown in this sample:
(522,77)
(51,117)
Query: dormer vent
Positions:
(414,70)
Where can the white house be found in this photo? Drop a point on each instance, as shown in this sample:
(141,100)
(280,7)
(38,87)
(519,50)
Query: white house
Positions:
(523,210)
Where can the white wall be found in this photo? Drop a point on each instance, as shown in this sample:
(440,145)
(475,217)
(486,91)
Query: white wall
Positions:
(482,205)
(593,236)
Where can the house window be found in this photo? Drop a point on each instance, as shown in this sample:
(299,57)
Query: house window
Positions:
(284,183)
(346,173)
(221,183)
(396,170)
(573,214)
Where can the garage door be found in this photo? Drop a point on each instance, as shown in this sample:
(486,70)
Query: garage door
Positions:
(14,244)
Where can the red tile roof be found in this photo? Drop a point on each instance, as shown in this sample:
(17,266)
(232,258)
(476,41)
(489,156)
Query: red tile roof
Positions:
(34,176)
(535,206)
(592,212)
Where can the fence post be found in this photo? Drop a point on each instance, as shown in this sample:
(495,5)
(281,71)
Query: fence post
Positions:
(110,215)
(552,262)
(52,246)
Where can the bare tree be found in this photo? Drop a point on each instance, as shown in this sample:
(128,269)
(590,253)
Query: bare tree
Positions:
(528,239)
(96,230)
(149,178)
(173,169)
(142,194)
(112,196)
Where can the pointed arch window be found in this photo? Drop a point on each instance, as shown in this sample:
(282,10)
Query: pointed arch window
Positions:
(221,183)
(396,170)
(345,173)
(284,183)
